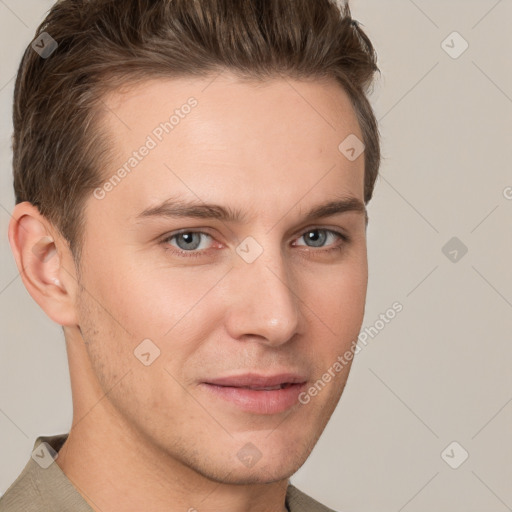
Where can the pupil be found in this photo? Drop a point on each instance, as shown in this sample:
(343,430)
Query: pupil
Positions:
(188,238)
(317,237)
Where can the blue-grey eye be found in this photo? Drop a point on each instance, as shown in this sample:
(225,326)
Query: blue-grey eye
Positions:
(317,237)
(188,241)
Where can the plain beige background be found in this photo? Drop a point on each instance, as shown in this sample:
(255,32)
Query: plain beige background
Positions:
(438,372)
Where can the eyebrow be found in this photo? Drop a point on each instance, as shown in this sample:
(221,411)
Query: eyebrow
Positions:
(175,207)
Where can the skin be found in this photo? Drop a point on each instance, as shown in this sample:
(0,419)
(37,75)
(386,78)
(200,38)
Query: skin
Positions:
(150,437)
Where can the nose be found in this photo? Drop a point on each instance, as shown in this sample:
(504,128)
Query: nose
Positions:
(263,302)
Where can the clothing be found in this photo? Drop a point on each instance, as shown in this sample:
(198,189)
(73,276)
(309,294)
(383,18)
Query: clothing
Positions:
(39,489)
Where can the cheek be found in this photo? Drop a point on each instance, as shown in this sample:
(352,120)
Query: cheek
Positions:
(353,287)
(166,301)
(105,342)
(175,308)
(337,295)
(146,302)
(334,303)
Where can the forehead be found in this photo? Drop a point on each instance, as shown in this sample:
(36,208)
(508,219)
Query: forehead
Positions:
(226,140)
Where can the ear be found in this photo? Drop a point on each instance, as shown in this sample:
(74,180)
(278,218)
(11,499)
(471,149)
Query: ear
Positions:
(45,263)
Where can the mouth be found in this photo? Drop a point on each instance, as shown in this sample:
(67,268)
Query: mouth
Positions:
(258,394)
(284,385)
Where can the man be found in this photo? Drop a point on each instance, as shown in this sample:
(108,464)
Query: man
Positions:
(191,180)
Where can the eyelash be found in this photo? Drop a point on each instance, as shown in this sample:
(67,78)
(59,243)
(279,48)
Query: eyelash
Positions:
(198,253)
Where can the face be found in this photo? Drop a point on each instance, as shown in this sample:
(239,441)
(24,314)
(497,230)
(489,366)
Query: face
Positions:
(210,324)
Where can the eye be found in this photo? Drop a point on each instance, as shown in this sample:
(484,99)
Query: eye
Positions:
(318,236)
(188,241)
(195,243)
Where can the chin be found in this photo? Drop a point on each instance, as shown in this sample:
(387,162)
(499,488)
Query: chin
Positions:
(257,475)
(280,466)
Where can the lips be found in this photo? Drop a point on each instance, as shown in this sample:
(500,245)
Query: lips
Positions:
(256,393)
(258,381)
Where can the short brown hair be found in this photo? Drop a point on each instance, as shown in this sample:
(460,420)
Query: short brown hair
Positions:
(59,150)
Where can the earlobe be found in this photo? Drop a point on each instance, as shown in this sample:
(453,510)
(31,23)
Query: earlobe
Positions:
(40,257)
